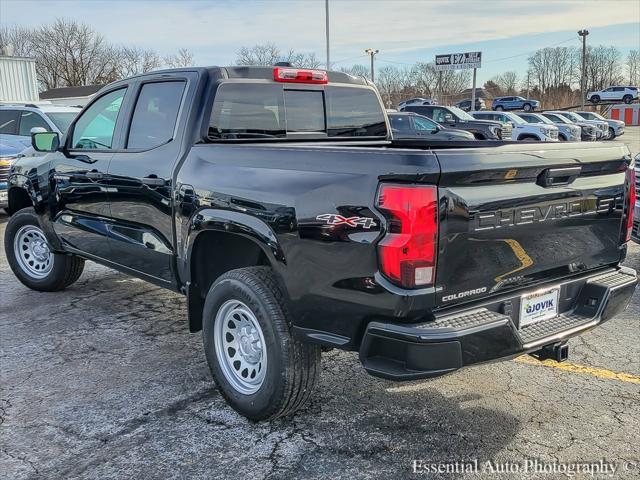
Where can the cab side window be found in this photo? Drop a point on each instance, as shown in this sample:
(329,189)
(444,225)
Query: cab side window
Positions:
(29,120)
(9,122)
(155,115)
(96,126)
(424,125)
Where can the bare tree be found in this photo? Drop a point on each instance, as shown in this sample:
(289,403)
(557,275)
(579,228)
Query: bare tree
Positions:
(507,82)
(15,41)
(269,54)
(69,53)
(633,67)
(356,70)
(134,61)
(603,67)
(184,58)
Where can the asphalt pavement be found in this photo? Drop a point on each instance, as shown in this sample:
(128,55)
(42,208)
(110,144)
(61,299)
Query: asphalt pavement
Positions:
(104,381)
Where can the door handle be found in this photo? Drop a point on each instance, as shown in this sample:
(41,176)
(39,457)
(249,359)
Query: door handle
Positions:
(153,181)
(95,175)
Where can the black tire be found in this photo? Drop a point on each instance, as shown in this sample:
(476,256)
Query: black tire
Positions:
(526,107)
(612,134)
(293,367)
(499,108)
(562,138)
(66,268)
(627,99)
(595,99)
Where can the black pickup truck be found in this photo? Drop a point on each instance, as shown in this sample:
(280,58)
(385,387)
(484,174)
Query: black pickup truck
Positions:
(277,202)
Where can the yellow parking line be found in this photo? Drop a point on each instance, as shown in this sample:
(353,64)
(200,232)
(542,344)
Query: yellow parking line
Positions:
(575,368)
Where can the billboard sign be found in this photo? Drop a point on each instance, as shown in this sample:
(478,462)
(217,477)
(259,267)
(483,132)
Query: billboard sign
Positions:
(458,61)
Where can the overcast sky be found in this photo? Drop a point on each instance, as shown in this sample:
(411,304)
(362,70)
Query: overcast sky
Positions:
(405,31)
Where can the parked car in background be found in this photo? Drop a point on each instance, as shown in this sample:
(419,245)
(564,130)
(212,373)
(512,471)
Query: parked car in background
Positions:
(8,154)
(567,132)
(466,105)
(453,117)
(522,130)
(612,94)
(616,127)
(514,103)
(602,127)
(417,101)
(588,132)
(18,121)
(412,125)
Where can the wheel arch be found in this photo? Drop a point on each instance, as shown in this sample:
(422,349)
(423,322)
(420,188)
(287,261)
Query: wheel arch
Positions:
(220,241)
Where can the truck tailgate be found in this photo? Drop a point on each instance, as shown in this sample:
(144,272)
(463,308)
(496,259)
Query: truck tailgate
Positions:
(519,214)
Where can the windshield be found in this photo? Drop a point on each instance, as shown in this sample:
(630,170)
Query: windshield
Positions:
(592,116)
(574,117)
(62,120)
(515,118)
(539,119)
(242,110)
(461,113)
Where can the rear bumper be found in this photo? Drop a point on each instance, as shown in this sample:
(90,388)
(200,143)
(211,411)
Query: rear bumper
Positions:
(490,331)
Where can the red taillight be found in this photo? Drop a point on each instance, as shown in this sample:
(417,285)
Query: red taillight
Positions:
(408,250)
(298,75)
(630,204)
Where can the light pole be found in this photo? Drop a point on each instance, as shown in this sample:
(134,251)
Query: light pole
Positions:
(583,79)
(372,53)
(326,28)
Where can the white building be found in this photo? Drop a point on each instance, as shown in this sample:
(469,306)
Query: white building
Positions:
(18,81)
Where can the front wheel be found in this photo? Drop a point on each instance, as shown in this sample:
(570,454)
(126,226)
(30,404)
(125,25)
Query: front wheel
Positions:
(31,259)
(261,370)
(612,134)
(526,107)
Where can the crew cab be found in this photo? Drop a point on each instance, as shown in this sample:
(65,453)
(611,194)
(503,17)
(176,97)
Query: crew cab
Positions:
(522,130)
(453,117)
(277,202)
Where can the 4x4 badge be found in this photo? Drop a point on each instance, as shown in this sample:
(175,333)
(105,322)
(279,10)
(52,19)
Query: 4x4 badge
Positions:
(334,219)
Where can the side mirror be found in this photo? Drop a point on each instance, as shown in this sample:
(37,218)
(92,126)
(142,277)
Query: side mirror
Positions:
(449,118)
(436,129)
(45,141)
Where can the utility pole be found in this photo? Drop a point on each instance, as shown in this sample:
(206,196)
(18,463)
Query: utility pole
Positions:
(326,17)
(583,76)
(372,53)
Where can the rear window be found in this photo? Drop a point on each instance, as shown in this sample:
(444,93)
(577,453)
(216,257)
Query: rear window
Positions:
(242,110)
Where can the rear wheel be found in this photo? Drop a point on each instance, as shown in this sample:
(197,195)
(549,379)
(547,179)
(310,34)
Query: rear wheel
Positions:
(259,367)
(595,99)
(627,99)
(499,108)
(31,259)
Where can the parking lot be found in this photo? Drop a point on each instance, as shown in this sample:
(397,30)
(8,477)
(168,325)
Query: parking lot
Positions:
(103,380)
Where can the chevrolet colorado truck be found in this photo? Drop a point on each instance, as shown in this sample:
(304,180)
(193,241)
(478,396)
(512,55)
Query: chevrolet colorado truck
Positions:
(276,200)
